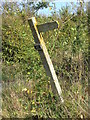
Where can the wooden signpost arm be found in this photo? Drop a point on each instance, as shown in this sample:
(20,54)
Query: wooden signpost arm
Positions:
(47,26)
(41,47)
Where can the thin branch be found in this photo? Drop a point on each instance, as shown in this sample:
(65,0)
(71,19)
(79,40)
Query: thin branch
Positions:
(67,21)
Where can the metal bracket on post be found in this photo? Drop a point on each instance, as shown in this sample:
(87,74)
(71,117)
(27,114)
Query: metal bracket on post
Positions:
(38,47)
(41,47)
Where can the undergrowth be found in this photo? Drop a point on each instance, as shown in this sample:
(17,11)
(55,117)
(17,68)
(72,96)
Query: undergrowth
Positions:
(26,87)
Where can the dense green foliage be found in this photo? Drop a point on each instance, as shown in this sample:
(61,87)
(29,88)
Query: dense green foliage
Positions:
(23,74)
